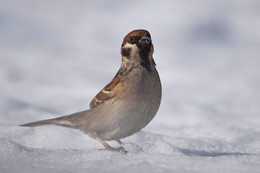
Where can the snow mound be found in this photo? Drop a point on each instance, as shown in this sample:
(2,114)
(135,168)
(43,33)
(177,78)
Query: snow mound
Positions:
(146,151)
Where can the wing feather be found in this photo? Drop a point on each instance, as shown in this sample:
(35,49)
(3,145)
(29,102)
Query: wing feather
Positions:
(106,94)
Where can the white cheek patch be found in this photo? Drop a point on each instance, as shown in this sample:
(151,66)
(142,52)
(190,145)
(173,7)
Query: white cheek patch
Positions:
(129,45)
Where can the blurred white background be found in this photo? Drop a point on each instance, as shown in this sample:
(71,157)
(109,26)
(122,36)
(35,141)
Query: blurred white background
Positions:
(56,55)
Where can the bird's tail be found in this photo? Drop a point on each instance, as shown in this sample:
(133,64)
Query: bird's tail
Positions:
(55,121)
(40,123)
(71,121)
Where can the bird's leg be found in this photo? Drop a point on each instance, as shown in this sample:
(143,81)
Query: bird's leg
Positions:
(118,141)
(108,147)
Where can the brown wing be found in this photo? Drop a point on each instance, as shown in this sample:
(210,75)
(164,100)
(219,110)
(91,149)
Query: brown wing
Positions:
(105,94)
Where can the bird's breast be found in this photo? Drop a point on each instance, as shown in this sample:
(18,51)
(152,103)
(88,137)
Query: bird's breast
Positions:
(142,103)
(134,108)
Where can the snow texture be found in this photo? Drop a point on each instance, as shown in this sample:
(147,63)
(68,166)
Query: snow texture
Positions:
(56,55)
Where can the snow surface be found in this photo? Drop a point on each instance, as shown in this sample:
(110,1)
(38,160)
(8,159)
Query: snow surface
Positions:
(56,55)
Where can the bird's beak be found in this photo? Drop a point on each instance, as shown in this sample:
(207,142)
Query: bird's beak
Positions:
(145,41)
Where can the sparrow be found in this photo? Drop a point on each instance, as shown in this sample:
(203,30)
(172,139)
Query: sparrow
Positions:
(127,103)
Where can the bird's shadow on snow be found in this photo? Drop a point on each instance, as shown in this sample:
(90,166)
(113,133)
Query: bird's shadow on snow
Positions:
(165,145)
(203,153)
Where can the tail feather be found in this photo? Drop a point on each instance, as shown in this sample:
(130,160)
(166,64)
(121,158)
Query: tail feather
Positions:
(72,121)
(56,121)
(40,123)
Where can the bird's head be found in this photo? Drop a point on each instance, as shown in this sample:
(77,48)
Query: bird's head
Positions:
(137,49)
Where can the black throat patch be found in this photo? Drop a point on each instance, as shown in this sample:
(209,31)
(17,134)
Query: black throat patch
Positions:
(145,60)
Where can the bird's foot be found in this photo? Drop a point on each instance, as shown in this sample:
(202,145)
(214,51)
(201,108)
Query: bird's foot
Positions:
(118,149)
(108,147)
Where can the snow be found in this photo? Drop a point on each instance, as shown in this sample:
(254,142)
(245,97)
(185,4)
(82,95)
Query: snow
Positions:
(56,55)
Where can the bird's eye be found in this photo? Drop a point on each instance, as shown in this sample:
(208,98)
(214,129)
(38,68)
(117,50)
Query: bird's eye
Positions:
(131,39)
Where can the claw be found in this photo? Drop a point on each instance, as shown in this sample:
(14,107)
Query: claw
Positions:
(122,150)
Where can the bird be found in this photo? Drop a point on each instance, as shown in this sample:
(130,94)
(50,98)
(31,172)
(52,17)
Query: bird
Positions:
(126,104)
